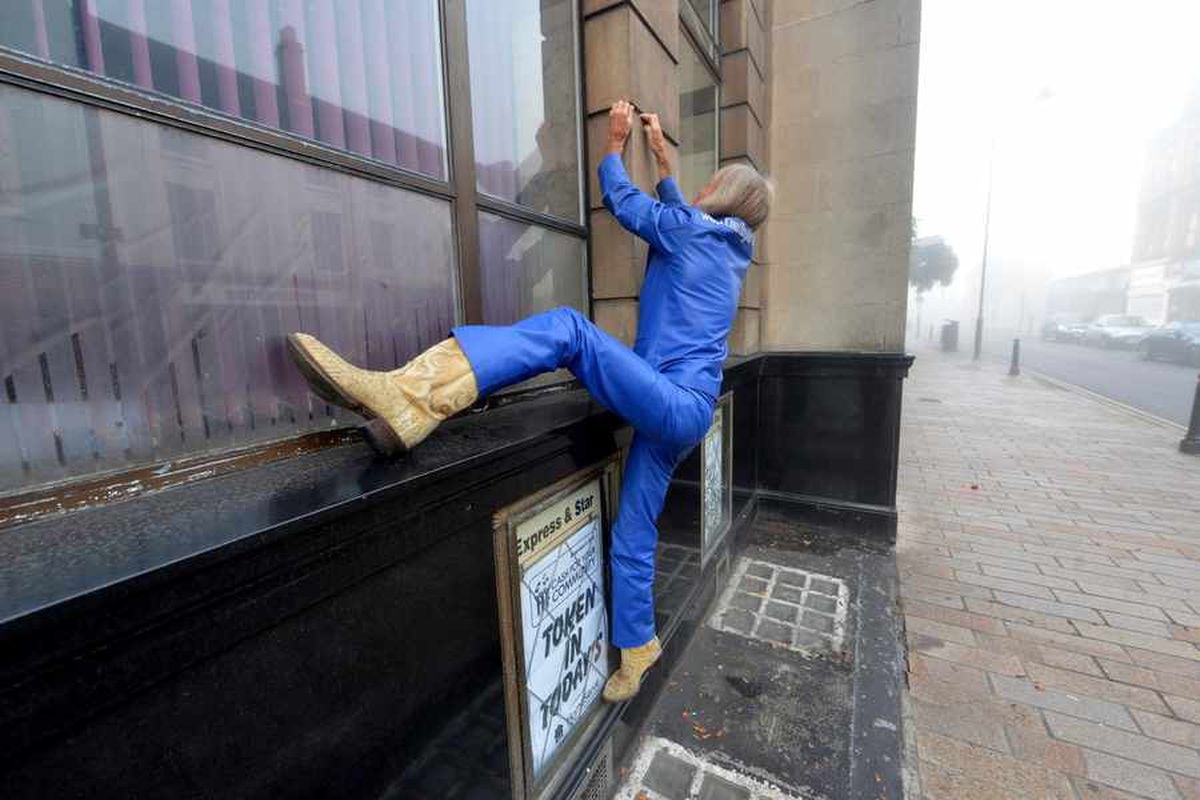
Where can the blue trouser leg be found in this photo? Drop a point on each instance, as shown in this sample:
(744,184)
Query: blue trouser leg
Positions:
(648,473)
(615,375)
(667,419)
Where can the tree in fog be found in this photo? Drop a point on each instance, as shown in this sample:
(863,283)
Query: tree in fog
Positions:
(931,261)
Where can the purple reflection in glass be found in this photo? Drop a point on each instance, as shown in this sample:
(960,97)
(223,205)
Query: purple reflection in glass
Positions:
(148,277)
(317,68)
(526,269)
(524,102)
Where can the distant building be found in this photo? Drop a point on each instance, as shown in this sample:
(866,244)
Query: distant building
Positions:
(1087,296)
(1164,282)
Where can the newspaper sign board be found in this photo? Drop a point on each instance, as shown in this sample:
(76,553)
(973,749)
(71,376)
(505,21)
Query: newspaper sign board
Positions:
(716,502)
(550,553)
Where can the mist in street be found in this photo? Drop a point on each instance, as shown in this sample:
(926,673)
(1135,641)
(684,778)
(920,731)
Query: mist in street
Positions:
(1057,168)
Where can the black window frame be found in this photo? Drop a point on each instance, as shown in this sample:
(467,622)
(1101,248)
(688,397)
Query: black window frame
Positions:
(459,189)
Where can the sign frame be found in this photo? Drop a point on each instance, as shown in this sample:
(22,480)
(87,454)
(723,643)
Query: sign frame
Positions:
(709,545)
(512,646)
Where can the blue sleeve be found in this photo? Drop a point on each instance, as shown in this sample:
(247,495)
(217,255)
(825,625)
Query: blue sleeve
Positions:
(670,193)
(658,223)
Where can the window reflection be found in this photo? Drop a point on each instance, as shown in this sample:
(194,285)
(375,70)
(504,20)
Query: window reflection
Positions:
(148,276)
(705,10)
(523,101)
(526,269)
(697,121)
(299,65)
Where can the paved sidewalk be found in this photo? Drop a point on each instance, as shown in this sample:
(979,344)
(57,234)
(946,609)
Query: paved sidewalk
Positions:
(1049,554)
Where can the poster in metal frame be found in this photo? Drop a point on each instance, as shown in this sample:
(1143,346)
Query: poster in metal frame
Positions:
(525,536)
(716,479)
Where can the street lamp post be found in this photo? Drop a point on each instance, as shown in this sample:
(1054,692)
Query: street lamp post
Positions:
(1045,94)
(987,224)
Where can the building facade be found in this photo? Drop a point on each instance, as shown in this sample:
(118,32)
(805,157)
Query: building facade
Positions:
(182,184)
(1165,270)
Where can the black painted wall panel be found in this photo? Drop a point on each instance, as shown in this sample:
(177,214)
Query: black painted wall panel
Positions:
(829,426)
(322,705)
(333,645)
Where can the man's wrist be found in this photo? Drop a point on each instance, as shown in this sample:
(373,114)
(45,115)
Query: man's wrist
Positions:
(664,166)
(616,145)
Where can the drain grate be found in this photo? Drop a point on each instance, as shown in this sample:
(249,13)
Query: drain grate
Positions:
(663,770)
(800,610)
(598,783)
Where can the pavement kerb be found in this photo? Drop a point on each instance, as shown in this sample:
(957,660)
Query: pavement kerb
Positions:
(1117,405)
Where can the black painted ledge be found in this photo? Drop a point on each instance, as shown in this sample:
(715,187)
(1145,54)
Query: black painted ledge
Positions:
(198,608)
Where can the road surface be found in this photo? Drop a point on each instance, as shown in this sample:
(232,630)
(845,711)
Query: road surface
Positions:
(1157,387)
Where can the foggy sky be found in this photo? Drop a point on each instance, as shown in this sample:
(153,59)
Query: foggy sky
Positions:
(1069,91)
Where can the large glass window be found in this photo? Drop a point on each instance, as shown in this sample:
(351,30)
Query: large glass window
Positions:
(697,120)
(527,268)
(149,275)
(524,102)
(359,75)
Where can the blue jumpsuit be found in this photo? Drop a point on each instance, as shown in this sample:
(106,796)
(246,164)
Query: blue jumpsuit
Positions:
(665,387)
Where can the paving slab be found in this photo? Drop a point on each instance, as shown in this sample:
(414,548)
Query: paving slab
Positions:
(1070,530)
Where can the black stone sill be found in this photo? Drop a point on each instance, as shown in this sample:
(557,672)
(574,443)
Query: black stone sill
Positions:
(57,559)
(81,555)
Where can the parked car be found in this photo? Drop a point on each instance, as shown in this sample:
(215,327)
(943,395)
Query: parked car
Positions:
(1063,328)
(1175,341)
(1117,330)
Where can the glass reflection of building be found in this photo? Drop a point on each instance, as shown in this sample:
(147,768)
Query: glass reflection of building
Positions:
(152,268)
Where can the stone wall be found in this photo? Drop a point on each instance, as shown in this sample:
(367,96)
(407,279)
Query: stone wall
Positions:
(631,50)
(843,125)
(745,118)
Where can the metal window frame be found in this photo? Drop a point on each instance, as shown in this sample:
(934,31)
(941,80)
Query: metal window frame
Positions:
(459,188)
(462,152)
(468,200)
(706,39)
(71,83)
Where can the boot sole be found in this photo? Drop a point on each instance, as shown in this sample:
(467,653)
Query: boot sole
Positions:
(377,432)
(320,383)
(383,439)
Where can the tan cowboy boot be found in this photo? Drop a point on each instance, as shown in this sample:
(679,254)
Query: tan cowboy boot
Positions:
(625,682)
(403,405)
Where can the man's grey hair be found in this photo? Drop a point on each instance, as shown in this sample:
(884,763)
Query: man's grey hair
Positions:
(738,190)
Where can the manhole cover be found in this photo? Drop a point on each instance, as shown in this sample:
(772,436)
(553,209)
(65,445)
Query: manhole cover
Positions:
(780,605)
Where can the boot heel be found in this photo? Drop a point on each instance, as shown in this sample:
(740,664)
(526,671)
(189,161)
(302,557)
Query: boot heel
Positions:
(383,439)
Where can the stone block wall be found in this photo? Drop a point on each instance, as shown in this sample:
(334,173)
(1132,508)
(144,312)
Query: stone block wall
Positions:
(745,117)
(842,136)
(631,51)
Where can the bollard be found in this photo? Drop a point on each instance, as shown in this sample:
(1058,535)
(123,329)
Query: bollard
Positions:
(1014,367)
(1191,442)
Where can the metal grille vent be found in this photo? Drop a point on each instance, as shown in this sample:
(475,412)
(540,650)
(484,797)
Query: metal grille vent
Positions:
(598,783)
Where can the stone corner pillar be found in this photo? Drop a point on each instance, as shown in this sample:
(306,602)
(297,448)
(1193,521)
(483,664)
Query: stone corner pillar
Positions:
(745,116)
